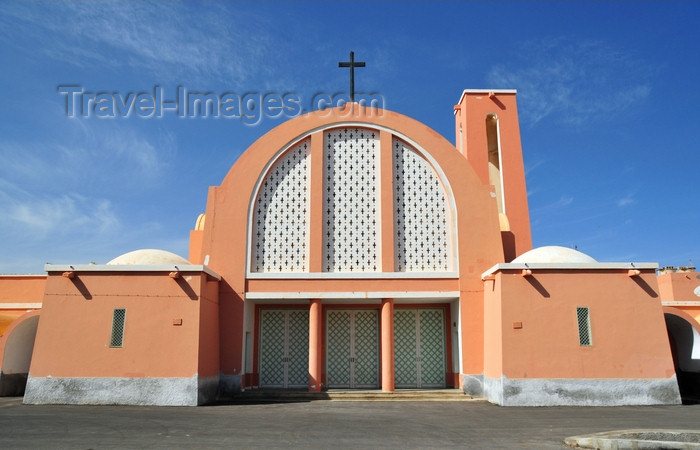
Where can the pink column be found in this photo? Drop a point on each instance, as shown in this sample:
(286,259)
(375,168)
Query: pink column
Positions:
(388,345)
(315,346)
(316,204)
(386,201)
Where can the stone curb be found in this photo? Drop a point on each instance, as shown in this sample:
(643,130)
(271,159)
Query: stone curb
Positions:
(637,439)
(353,396)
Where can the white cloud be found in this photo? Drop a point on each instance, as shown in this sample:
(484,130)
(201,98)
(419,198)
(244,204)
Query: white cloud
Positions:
(168,40)
(626,200)
(562,202)
(95,153)
(532,191)
(142,157)
(576,81)
(529,168)
(57,215)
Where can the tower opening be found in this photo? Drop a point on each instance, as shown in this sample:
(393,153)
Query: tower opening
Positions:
(493,143)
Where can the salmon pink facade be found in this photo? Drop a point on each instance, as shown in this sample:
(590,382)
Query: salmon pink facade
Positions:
(356,248)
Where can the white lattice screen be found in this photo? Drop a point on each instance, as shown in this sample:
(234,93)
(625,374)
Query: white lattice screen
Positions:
(420,214)
(280,220)
(350,184)
(351,209)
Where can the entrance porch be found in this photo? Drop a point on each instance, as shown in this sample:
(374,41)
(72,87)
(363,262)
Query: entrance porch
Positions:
(334,346)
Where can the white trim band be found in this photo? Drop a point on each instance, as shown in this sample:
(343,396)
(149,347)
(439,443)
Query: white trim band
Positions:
(20,305)
(131,268)
(680,303)
(432,295)
(569,266)
(350,275)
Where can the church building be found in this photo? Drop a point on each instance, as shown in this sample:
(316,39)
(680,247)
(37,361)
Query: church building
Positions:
(356,248)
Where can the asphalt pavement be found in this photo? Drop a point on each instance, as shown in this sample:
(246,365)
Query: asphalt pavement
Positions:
(322,424)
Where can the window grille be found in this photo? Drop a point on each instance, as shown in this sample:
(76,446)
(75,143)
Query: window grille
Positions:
(118,321)
(420,214)
(281,215)
(584,326)
(351,207)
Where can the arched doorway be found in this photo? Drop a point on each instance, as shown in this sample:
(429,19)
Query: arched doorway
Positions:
(685,347)
(17,354)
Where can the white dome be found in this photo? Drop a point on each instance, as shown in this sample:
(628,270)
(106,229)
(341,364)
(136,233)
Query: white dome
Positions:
(148,256)
(553,254)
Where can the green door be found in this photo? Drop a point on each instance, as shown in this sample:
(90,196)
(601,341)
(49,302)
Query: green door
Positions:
(352,349)
(405,348)
(284,348)
(419,348)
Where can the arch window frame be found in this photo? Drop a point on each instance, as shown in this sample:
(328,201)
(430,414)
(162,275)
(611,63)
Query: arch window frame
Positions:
(453,238)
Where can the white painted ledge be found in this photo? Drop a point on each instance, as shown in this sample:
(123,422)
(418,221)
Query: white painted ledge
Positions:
(428,295)
(131,268)
(20,305)
(680,303)
(570,266)
(348,275)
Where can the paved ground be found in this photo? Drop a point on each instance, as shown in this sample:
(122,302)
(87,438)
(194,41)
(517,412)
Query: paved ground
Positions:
(321,424)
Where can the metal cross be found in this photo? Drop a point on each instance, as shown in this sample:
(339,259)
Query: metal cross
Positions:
(352,64)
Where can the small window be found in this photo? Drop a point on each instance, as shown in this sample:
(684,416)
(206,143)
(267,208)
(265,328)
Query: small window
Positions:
(118,321)
(584,327)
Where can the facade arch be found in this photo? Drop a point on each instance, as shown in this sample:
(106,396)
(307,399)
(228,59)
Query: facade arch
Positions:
(230,205)
(684,339)
(16,347)
(312,149)
(420,203)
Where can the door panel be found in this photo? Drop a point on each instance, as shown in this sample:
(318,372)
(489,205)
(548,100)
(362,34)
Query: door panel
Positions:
(284,348)
(298,349)
(419,348)
(352,349)
(366,349)
(432,348)
(405,349)
(272,345)
(338,347)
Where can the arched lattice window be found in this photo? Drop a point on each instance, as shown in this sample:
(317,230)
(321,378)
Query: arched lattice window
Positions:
(421,214)
(281,215)
(351,207)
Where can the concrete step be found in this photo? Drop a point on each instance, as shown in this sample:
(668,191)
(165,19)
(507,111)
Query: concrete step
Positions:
(412,395)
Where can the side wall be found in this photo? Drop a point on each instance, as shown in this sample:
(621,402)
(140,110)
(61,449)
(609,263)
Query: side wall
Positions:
(19,294)
(158,362)
(679,286)
(681,290)
(208,349)
(543,363)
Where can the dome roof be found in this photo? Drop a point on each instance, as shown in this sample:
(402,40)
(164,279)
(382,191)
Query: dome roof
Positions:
(148,256)
(553,254)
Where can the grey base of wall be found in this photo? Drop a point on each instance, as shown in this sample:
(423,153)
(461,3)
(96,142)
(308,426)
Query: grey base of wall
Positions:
(12,384)
(121,391)
(581,392)
(229,386)
(473,385)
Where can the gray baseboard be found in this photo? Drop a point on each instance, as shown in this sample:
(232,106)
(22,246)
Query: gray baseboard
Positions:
(473,384)
(581,392)
(121,391)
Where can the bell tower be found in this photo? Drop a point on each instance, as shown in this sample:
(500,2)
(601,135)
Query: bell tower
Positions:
(488,135)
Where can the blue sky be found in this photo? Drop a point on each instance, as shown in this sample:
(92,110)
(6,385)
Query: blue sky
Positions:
(608,97)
